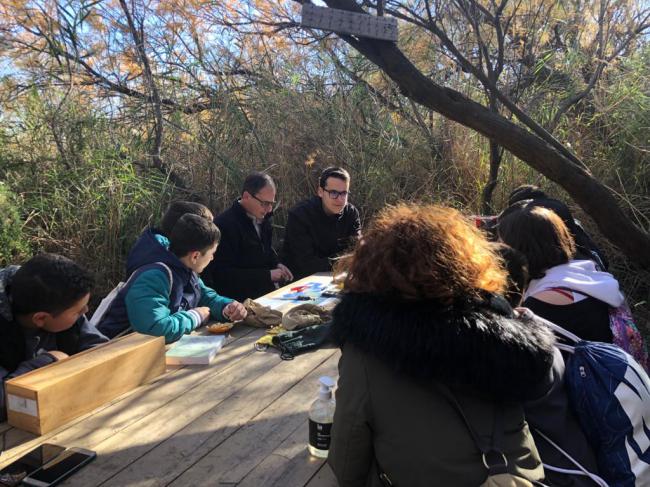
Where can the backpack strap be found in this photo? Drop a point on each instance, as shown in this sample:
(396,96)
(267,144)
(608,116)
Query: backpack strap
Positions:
(129,329)
(561,332)
(582,471)
(493,458)
(161,264)
(526,314)
(169,275)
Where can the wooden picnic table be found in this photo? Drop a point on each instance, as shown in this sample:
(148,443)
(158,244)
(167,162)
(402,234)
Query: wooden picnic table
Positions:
(241,421)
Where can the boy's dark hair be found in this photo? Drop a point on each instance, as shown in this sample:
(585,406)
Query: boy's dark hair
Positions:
(177,209)
(517,266)
(526,192)
(193,232)
(255,181)
(539,234)
(333,172)
(50,283)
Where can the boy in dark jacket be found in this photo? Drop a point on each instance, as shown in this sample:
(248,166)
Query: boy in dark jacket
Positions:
(245,264)
(322,227)
(42,306)
(165,296)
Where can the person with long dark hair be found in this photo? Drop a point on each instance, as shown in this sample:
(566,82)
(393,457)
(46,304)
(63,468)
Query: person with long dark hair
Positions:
(563,289)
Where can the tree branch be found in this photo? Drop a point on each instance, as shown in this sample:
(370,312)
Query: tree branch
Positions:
(596,199)
(138,39)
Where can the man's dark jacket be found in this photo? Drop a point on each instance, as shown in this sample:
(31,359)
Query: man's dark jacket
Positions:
(312,237)
(243,261)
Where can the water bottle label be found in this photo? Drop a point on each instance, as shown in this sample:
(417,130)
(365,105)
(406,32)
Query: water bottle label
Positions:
(319,435)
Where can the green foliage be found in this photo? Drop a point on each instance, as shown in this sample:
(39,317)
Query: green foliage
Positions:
(13,244)
(623,121)
(87,197)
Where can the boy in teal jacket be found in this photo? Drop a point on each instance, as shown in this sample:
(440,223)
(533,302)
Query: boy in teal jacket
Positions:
(165,296)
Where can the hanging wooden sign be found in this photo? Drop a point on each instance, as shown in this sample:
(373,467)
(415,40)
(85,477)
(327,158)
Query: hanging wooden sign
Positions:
(353,23)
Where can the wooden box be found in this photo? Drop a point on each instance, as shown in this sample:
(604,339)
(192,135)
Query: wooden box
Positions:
(46,398)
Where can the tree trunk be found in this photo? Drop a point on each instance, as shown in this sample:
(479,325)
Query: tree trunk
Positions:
(495,164)
(592,196)
(156,102)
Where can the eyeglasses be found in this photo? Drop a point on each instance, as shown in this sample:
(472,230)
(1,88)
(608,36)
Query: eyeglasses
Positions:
(333,194)
(265,204)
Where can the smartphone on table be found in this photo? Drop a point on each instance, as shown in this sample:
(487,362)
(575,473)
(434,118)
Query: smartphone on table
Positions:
(14,473)
(59,468)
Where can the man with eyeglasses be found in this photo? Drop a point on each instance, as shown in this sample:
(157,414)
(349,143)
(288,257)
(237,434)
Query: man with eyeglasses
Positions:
(322,227)
(245,264)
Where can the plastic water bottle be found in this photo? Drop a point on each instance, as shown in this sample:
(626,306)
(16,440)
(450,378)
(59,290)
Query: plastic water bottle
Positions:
(321,416)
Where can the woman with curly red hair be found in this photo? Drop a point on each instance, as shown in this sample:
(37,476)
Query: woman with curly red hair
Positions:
(421,327)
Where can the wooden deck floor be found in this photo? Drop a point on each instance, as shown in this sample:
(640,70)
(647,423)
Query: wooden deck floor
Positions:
(242,421)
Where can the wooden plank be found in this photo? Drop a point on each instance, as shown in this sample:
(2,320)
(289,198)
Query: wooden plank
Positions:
(242,452)
(14,438)
(289,464)
(129,445)
(324,478)
(126,410)
(230,408)
(345,22)
(46,398)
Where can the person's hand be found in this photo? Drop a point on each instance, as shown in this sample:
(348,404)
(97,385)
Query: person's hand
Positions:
(523,313)
(288,276)
(277,275)
(235,311)
(58,355)
(204,312)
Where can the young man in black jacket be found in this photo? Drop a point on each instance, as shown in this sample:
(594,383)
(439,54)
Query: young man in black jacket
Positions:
(245,264)
(42,315)
(322,227)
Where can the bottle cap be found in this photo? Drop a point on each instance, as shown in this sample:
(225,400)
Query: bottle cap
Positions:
(327,381)
(326,385)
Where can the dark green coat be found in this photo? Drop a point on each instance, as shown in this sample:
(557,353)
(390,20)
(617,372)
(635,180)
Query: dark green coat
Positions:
(390,413)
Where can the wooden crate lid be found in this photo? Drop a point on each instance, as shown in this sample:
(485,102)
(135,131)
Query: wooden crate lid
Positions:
(42,377)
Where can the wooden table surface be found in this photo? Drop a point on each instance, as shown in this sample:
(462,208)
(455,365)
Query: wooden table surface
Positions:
(240,421)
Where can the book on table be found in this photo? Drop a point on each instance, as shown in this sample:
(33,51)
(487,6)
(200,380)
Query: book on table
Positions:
(194,349)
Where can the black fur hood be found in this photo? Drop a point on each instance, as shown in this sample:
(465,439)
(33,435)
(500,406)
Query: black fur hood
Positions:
(474,344)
